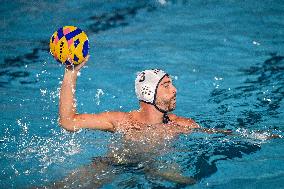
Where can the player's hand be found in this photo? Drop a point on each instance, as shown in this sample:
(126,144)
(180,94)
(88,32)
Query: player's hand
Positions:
(78,67)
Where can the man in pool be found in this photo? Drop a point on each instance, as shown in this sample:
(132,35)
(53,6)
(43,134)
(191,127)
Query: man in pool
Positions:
(144,130)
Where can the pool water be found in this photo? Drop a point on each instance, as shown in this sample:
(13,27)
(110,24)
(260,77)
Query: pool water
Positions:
(226,59)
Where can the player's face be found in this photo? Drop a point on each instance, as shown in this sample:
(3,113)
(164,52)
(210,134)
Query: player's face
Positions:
(166,95)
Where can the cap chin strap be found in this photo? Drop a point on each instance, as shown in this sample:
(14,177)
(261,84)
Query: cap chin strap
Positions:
(166,118)
(159,109)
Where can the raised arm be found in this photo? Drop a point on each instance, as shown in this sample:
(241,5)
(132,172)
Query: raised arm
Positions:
(68,117)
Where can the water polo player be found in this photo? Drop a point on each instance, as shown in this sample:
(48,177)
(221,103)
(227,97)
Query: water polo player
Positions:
(146,131)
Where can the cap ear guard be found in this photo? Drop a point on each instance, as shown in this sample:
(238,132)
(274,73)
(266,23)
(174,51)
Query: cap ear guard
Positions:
(146,85)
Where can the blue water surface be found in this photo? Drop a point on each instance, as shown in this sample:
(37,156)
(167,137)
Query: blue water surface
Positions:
(226,59)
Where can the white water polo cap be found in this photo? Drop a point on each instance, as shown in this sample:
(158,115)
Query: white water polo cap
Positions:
(146,84)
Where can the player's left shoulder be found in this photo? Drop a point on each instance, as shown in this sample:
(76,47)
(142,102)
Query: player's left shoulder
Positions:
(183,121)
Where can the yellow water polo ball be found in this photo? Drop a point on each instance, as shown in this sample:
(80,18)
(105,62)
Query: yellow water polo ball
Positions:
(69,45)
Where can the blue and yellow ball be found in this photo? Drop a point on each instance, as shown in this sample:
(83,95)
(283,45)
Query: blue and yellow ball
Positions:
(69,45)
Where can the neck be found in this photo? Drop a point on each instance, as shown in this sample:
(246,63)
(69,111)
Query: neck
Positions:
(149,114)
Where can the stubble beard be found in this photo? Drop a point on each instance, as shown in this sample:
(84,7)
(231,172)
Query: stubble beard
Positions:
(172,104)
(167,105)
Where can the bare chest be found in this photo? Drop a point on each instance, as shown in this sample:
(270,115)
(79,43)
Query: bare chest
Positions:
(143,132)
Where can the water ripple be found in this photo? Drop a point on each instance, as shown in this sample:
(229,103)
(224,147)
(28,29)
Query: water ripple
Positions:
(258,97)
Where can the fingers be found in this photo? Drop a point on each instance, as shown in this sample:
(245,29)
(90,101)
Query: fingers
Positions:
(87,58)
(77,67)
